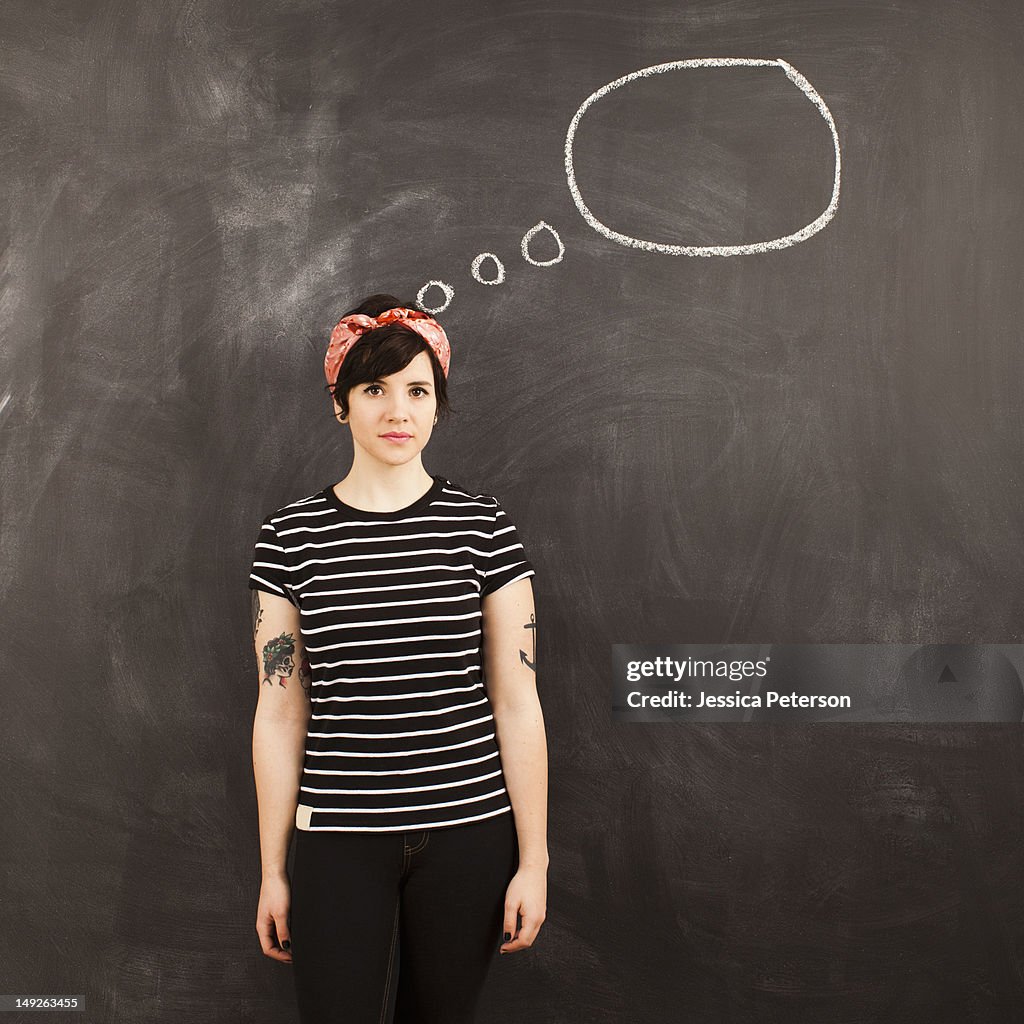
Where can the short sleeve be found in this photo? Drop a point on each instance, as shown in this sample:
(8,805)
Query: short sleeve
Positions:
(270,569)
(506,559)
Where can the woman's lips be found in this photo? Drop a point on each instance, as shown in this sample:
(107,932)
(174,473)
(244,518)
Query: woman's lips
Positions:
(397,438)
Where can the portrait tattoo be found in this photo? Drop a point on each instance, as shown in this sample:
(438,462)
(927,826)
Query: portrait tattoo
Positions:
(277,659)
(257,612)
(532,626)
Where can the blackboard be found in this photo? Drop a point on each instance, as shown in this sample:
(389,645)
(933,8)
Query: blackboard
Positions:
(814,443)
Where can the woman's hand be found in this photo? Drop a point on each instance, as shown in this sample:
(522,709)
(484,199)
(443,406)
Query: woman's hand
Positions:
(272,918)
(526,897)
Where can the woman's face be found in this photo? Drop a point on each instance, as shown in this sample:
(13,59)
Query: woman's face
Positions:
(392,418)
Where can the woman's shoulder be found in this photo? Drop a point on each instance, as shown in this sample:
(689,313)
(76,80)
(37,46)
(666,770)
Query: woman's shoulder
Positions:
(469,495)
(297,507)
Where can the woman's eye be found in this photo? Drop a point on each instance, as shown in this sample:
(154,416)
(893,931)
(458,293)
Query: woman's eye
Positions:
(420,390)
(372,387)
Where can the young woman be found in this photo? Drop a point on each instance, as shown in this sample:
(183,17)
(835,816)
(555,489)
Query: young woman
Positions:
(398,727)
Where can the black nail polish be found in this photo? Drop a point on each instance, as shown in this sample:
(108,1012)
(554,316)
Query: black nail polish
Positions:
(286,944)
(508,935)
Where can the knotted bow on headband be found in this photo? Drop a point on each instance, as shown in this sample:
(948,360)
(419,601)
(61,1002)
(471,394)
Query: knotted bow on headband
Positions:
(349,329)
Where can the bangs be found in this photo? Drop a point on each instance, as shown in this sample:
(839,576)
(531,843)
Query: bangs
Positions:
(382,352)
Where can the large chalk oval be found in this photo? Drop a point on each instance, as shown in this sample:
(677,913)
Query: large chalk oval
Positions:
(741,247)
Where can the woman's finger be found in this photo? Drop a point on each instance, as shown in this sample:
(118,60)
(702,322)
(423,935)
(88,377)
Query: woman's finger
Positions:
(284,937)
(267,932)
(527,932)
(511,924)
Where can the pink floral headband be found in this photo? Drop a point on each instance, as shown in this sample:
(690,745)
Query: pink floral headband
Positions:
(349,329)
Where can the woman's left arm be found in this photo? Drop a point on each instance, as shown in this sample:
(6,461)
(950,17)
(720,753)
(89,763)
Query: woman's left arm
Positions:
(510,659)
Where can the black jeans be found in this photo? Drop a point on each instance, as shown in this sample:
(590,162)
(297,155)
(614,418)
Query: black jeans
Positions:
(408,922)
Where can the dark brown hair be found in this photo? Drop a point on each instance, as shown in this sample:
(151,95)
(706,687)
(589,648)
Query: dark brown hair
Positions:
(384,351)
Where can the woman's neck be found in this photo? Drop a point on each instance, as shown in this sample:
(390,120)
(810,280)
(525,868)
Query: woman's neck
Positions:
(380,488)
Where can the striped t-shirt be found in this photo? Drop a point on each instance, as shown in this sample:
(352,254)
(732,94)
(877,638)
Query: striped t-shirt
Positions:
(401,735)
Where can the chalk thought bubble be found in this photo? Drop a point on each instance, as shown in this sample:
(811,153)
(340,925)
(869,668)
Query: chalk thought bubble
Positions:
(745,248)
(706,250)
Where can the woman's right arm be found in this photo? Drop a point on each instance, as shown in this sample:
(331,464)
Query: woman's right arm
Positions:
(278,750)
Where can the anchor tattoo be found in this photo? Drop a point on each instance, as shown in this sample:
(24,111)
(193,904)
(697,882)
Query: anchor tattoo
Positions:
(531,625)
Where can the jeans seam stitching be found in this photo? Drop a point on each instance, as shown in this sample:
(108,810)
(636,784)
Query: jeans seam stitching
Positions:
(391,961)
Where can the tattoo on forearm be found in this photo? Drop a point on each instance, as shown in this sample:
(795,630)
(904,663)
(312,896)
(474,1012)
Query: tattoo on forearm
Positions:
(257,612)
(305,673)
(277,659)
(532,626)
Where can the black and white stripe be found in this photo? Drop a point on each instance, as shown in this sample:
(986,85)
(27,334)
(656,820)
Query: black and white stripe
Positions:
(401,735)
